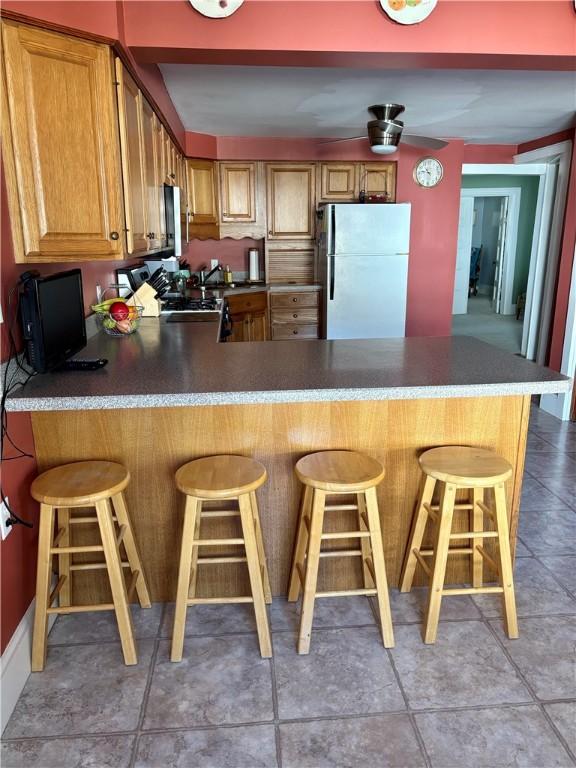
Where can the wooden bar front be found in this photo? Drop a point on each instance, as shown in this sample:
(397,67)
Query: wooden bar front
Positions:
(154,442)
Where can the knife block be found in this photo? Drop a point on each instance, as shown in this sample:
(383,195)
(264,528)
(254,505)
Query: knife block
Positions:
(144,297)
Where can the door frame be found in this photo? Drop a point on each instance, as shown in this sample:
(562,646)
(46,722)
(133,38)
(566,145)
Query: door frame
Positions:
(514,195)
(548,256)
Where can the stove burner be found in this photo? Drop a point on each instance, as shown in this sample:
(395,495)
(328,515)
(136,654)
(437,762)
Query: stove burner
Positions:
(182,304)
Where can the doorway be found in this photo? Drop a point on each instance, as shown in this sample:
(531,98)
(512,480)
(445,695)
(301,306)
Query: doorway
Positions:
(490,286)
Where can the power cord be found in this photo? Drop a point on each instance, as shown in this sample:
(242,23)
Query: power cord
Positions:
(11,381)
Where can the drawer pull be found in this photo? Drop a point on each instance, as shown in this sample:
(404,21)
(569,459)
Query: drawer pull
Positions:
(294,299)
(295,316)
(115,235)
(295,331)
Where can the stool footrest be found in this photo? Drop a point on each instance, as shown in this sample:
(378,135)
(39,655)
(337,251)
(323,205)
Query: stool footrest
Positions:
(475,535)
(220,513)
(340,507)
(87,519)
(223,559)
(347,592)
(432,512)
(346,535)
(61,581)
(214,600)
(423,563)
(487,511)
(76,550)
(451,551)
(341,553)
(472,591)
(95,566)
(489,559)
(82,608)
(216,542)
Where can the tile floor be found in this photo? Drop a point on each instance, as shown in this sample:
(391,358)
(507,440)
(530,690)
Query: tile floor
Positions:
(473,699)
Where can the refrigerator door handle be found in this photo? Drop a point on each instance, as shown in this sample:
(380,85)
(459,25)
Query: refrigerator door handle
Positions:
(332,268)
(332,231)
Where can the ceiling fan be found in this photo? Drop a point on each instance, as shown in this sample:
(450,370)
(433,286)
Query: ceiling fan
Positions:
(386,132)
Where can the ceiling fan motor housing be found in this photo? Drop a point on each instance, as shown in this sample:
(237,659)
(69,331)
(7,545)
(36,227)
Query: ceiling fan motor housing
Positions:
(385,132)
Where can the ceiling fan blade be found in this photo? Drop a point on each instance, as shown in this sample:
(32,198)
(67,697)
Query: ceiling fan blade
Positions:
(336,141)
(423,141)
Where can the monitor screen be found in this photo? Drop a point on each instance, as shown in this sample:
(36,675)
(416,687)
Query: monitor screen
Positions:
(52,312)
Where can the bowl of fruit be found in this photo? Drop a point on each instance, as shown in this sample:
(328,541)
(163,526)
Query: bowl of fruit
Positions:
(116,318)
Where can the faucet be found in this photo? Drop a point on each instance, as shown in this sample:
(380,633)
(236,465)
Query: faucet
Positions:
(203,277)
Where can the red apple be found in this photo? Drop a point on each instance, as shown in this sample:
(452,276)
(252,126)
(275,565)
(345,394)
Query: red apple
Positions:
(119,311)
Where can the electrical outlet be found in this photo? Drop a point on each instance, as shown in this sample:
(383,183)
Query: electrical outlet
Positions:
(4,515)
(213,263)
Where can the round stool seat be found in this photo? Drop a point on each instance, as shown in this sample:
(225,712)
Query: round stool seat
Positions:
(464,466)
(339,471)
(80,484)
(220,477)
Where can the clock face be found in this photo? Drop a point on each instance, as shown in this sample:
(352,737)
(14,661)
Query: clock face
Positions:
(428,172)
(216,9)
(408,11)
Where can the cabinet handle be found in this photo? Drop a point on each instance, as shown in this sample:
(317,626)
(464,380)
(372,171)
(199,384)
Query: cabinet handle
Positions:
(295,331)
(295,316)
(172,175)
(114,236)
(294,299)
(269,231)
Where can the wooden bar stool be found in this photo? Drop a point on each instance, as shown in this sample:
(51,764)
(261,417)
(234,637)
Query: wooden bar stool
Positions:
(222,478)
(85,484)
(476,469)
(337,473)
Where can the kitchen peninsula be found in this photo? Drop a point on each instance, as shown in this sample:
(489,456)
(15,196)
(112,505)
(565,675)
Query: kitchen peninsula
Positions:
(171,393)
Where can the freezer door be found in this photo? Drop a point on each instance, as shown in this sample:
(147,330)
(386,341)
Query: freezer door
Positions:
(365,296)
(368,229)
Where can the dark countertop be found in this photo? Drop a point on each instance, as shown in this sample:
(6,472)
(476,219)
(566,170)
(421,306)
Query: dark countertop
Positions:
(181,364)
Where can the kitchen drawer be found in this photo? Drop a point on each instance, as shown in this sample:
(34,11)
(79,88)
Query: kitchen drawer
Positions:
(246,302)
(296,315)
(295,331)
(287,300)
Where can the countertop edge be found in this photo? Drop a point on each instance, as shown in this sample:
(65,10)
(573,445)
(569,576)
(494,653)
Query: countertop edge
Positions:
(23,404)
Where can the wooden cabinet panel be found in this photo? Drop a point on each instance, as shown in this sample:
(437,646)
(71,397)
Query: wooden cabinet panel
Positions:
(291,203)
(247,302)
(296,315)
(338,182)
(259,326)
(249,315)
(286,331)
(160,170)
(60,146)
(151,176)
(202,205)
(290,263)
(289,300)
(237,192)
(378,179)
(133,163)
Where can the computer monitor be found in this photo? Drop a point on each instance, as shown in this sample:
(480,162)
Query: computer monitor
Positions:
(52,317)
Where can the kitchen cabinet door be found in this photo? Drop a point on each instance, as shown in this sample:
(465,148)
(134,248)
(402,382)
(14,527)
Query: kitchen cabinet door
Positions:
(259,326)
(202,201)
(290,262)
(160,169)
(133,161)
(151,177)
(60,147)
(378,179)
(291,201)
(242,206)
(338,182)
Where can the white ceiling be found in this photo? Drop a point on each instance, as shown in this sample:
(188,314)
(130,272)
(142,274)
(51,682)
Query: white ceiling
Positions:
(479,106)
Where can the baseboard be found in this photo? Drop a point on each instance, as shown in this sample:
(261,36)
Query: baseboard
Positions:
(15,664)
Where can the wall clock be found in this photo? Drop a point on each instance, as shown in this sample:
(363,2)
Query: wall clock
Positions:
(216,9)
(408,11)
(428,172)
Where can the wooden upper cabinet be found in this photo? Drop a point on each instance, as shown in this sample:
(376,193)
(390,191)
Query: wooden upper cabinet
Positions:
(379,178)
(242,208)
(338,182)
(202,206)
(60,147)
(291,201)
(133,161)
(152,178)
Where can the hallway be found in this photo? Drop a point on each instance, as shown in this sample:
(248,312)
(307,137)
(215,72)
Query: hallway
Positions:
(503,331)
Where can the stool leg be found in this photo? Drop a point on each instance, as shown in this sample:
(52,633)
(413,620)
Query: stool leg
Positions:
(132,553)
(43,574)
(364,543)
(191,510)
(508,598)
(301,544)
(417,533)
(446,512)
(117,584)
(255,573)
(476,525)
(195,552)
(261,550)
(65,593)
(379,568)
(311,577)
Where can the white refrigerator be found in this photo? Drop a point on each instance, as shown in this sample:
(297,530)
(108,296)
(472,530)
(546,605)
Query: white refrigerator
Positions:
(363,252)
